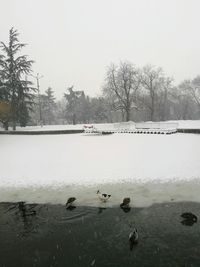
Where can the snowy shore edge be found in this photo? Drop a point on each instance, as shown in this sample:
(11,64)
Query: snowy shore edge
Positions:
(141,194)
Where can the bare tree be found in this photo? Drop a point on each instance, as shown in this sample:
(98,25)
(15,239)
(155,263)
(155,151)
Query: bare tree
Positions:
(165,98)
(193,88)
(121,86)
(185,100)
(152,82)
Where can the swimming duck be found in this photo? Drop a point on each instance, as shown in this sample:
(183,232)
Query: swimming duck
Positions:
(103,197)
(70,201)
(133,238)
(125,204)
(189,216)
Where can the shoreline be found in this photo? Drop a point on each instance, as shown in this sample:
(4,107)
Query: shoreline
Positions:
(142,194)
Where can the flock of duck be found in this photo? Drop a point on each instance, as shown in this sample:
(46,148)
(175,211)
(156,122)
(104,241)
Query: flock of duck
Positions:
(188,217)
(133,236)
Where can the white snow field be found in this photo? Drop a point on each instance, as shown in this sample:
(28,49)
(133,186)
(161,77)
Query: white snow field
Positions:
(148,168)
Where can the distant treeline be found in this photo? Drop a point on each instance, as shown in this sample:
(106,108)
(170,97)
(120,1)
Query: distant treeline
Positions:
(129,93)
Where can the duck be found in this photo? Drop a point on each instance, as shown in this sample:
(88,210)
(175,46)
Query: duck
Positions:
(189,216)
(133,238)
(103,197)
(70,201)
(125,203)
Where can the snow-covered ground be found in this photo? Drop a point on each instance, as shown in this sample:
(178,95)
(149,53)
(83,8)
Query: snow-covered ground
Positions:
(192,124)
(148,168)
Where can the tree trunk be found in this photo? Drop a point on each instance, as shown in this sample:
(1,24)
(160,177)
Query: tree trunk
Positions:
(13,122)
(13,113)
(127,115)
(122,113)
(152,109)
(14,125)
(74,119)
(5,125)
(152,114)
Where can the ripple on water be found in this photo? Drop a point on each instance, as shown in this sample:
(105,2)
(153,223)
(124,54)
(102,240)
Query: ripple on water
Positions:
(78,214)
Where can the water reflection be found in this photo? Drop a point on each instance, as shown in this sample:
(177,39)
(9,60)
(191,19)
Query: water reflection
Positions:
(70,207)
(187,222)
(125,209)
(26,214)
(100,210)
(26,210)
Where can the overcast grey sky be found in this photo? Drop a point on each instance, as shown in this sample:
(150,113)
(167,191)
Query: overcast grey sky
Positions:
(73,41)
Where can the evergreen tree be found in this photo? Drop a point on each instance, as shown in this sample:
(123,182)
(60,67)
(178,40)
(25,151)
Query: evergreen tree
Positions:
(75,100)
(4,113)
(18,91)
(48,106)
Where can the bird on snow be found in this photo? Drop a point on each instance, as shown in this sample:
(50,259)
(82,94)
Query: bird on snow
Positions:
(69,203)
(103,197)
(133,238)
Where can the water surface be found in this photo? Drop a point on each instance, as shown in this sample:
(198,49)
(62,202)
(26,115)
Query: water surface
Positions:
(50,235)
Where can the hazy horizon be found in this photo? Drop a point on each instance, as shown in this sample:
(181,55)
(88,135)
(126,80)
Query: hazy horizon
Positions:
(72,42)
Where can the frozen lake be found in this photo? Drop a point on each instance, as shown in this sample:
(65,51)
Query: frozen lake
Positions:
(59,165)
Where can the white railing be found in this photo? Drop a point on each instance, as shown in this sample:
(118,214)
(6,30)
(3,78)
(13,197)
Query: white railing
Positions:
(157,125)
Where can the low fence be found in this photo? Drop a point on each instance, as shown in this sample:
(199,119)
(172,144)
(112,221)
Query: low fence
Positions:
(130,125)
(157,125)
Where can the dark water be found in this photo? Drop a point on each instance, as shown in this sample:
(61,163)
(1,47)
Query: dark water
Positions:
(50,235)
